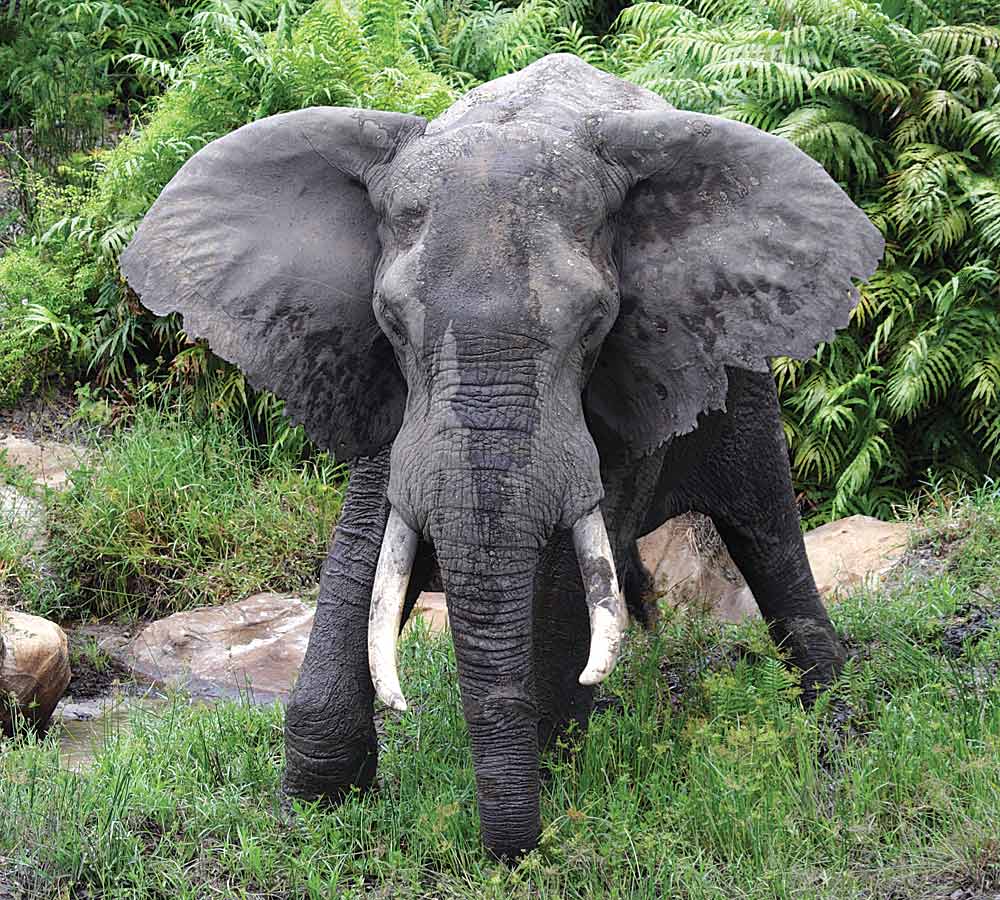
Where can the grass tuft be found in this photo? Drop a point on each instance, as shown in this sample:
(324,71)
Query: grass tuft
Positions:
(172,513)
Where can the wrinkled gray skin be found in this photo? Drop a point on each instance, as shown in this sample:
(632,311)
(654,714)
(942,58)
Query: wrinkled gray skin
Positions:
(560,293)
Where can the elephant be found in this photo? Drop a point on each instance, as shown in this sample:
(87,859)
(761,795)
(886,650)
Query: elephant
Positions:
(535,328)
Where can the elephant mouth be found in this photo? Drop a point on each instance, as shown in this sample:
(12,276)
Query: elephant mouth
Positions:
(605,602)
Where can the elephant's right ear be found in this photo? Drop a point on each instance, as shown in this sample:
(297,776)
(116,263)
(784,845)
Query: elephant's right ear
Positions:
(265,241)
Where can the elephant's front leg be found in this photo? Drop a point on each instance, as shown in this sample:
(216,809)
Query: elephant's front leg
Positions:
(330,742)
(562,643)
(562,625)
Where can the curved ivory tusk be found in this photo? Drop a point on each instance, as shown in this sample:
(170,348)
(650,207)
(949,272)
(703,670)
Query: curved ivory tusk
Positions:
(392,575)
(608,617)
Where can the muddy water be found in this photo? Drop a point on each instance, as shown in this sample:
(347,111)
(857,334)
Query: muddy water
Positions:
(85,726)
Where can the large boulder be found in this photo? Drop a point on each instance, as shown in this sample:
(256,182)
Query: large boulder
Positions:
(34,670)
(692,569)
(251,648)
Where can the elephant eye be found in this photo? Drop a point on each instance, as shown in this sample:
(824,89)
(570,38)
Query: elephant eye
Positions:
(388,320)
(591,330)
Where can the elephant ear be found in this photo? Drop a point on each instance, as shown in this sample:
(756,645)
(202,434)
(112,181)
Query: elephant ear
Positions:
(265,241)
(733,246)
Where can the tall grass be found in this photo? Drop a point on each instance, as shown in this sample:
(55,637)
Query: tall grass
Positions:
(708,781)
(175,512)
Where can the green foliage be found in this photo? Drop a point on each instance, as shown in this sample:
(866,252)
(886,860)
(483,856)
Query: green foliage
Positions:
(173,513)
(40,305)
(899,105)
(708,779)
(899,102)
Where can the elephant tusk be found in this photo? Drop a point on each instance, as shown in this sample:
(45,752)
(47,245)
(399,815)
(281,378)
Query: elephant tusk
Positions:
(608,617)
(392,575)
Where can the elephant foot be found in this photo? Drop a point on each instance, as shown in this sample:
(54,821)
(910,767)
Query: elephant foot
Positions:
(813,648)
(324,766)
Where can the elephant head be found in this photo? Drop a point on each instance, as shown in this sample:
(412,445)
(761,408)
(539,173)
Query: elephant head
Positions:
(557,269)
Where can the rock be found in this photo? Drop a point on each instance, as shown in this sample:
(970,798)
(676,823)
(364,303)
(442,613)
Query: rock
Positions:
(48,463)
(23,515)
(34,670)
(431,607)
(252,648)
(854,551)
(692,569)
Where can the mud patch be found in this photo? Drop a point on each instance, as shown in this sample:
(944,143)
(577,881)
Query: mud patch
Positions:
(94,671)
(969,625)
(53,415)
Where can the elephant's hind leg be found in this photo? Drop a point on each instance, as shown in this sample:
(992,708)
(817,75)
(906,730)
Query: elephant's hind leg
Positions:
(772,557)
(751,501)
(640,591)
(330,743)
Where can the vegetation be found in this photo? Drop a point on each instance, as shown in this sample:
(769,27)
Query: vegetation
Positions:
(898,100)
(172,513)
(708,781)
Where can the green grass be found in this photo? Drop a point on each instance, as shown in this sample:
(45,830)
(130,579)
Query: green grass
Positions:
(711,781)
(172,513)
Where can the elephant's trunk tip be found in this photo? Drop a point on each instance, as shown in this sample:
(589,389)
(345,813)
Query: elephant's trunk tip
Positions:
(608,616)
(392,576)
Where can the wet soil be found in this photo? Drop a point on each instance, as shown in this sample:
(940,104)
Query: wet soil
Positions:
(970,624)
(95,672)
(50,416)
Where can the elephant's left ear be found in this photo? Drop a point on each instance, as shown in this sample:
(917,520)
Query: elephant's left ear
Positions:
(733,246)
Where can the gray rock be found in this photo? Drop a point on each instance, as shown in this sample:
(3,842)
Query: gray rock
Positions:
(252,648)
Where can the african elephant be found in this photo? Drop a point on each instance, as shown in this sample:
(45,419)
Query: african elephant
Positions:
(537,327)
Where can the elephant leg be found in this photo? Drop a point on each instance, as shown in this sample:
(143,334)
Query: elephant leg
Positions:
(752,504)
(640,594)
(330,743)
(771,555)
(562,623)
(562,643)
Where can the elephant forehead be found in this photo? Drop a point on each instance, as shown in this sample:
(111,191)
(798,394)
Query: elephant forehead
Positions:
(538,171)
(557,91)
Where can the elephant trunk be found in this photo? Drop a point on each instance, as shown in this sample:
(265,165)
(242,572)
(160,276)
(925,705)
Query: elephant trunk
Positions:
(489,586)
(486,469)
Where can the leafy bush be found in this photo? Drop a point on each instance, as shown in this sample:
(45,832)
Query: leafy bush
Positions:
(39,305)
(899,101)
(175,513)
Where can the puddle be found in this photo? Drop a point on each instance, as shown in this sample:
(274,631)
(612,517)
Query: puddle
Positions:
(85,726)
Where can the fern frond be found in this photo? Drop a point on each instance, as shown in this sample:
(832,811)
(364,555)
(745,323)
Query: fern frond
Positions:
(944,110)
(784,80)
(983,126)
(854,81)
(986,217)
(841,146)
(970,72)
(951,41)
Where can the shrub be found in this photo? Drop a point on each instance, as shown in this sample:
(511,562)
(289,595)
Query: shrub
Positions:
(40,304)
(175,512)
